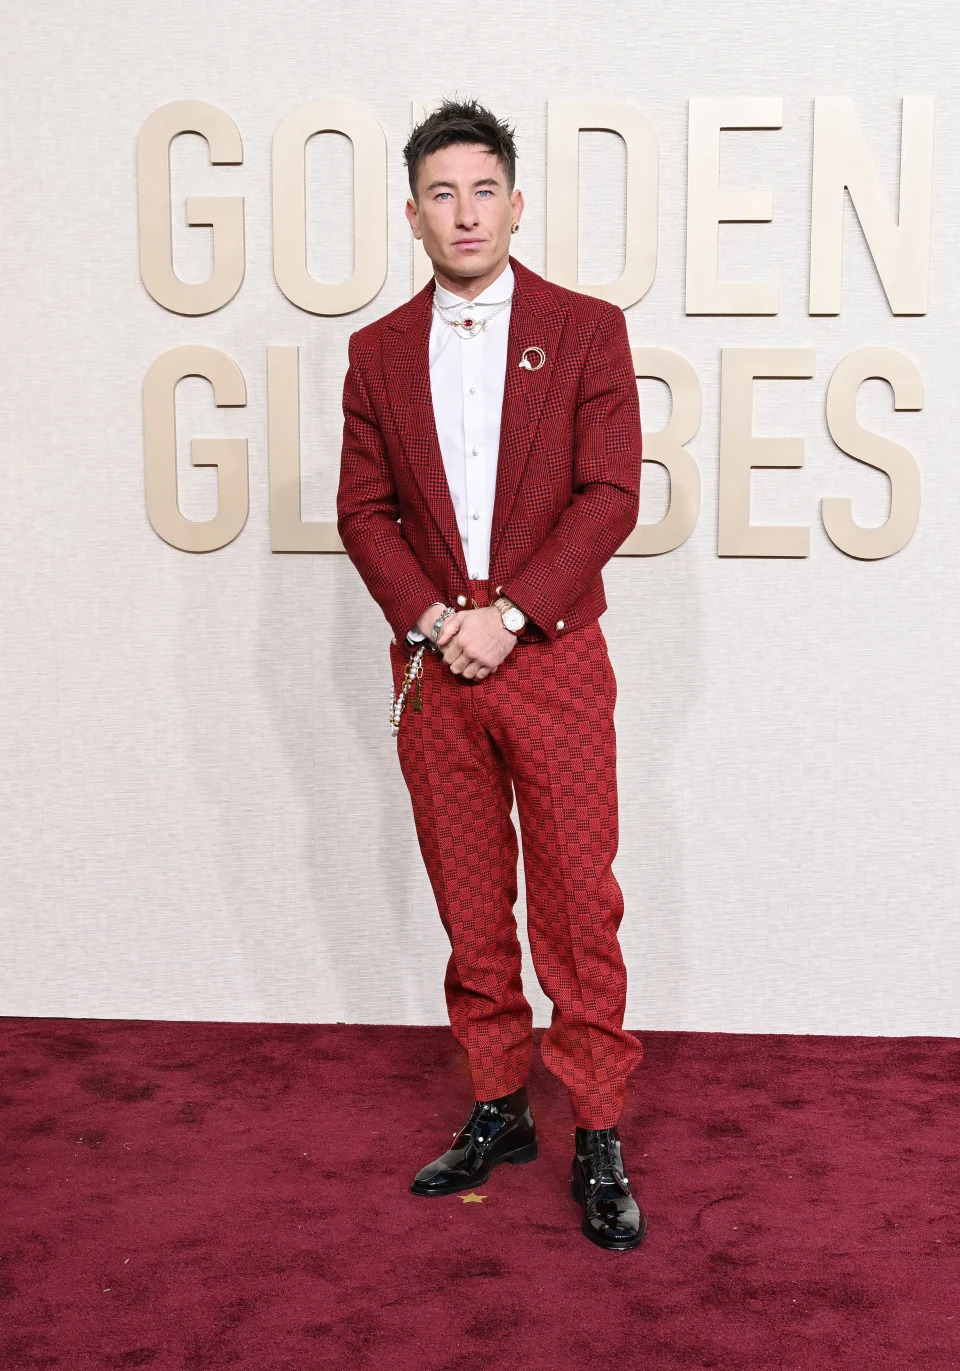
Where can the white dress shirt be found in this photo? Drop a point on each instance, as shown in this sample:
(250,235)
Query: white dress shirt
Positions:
(466,382)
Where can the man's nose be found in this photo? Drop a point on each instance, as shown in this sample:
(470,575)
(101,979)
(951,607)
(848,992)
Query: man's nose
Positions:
(466,212)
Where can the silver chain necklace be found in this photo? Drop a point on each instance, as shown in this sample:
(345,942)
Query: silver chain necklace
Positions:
(471,326)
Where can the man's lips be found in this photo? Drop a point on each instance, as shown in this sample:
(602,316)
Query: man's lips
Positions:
(468,243)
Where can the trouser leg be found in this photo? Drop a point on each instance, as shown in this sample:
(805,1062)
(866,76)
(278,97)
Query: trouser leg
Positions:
(551,712)
(462,795)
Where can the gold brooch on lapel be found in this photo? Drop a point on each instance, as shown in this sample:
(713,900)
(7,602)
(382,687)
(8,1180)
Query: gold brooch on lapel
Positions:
(532,359)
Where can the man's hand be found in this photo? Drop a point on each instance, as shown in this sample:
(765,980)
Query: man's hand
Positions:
(428,618)
(473,642)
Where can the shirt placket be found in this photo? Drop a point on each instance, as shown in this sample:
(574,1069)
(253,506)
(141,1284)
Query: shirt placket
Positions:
(475,457)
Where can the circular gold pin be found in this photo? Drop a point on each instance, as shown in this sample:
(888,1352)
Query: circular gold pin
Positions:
(533,358)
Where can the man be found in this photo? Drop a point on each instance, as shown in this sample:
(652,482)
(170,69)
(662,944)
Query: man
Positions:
(490,468)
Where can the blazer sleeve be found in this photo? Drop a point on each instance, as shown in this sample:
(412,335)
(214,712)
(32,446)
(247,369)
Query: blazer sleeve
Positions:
(368,512)
(606,483)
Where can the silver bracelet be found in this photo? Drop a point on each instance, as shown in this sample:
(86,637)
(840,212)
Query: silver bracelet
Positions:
(438,625)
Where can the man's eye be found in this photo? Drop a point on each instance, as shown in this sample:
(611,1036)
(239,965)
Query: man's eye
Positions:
(441,194)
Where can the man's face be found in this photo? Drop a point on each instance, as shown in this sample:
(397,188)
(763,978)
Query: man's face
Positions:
(465,211)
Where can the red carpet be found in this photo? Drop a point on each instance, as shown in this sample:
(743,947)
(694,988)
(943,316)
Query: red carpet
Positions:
(235,1196)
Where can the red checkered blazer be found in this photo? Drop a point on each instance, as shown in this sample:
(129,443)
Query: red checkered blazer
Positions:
(568,473)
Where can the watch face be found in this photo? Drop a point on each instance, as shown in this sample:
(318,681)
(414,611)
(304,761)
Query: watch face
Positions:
(513,619)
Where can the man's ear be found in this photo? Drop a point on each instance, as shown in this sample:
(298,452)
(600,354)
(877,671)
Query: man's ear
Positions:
(412,218)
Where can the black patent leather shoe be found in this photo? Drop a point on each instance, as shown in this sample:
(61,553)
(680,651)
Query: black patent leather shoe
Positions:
(500,1130)
(611,1216)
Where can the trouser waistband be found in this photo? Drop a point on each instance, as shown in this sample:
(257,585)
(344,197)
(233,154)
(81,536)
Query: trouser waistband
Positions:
(484,592)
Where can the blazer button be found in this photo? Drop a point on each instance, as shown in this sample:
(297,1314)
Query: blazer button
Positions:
(559,623)
(461,599)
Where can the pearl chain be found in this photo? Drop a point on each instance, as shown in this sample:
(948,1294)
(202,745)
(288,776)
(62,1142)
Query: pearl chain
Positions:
(414,670)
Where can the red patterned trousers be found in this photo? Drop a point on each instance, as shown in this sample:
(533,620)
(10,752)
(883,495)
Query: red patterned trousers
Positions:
(541,724)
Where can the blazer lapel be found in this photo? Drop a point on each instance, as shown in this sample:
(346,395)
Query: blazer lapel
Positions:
(536,319)
(406,358)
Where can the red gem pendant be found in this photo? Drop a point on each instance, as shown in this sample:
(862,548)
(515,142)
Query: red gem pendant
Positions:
(468,323)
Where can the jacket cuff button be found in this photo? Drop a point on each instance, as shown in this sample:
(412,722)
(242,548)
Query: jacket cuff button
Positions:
(559,623)
(461,600)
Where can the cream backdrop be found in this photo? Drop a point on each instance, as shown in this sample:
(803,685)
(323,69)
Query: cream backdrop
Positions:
(202,813)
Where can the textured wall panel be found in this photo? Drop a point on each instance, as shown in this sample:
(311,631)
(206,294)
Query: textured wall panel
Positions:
(202,814)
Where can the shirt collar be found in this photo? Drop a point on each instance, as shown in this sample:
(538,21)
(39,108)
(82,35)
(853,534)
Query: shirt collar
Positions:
(493,294)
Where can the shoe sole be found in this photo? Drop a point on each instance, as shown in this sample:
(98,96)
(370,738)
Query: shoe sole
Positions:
(529,1153)
(576,1191)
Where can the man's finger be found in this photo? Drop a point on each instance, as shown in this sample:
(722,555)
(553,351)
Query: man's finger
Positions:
(450,629)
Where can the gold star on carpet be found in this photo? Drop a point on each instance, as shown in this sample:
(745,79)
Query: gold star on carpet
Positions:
(472,1198)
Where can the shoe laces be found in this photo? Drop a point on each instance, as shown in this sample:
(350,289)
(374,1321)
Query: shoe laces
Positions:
(603,1161)
(482,1112)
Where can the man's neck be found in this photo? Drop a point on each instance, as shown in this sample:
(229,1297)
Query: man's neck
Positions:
(469,287)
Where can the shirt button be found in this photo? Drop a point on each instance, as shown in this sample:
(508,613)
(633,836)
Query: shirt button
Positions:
(461,599)
(475,451)
(559,623)
(473,390)
(476,514)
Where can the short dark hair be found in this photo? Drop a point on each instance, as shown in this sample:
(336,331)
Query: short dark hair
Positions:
(461,121)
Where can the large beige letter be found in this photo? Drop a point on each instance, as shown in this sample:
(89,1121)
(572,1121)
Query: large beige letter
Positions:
(901,250)
(369,206)
(708,206)
(740,450)
(666,448)
(565,119)
(224,213)
(228,455)
(889,457)
(288,530)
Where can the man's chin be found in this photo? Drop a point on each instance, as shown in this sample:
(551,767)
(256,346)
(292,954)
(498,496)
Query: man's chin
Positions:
(470,263)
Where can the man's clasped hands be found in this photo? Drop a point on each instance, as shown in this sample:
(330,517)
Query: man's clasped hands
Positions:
(472,642)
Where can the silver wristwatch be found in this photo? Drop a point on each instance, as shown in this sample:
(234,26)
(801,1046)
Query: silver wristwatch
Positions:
(513,617)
